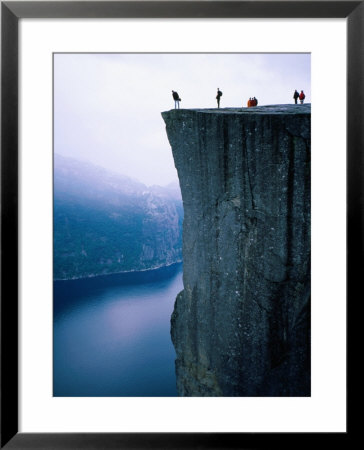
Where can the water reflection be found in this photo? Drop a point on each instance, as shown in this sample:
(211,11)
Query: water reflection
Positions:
(112,334)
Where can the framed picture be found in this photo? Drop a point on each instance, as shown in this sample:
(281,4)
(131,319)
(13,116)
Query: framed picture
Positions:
(27,283)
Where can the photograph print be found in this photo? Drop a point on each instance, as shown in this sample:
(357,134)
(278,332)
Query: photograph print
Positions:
(181,224)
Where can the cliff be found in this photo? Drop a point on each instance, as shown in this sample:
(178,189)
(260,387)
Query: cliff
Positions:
(241,326)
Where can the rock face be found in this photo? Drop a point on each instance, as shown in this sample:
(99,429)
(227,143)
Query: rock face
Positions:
(241,326)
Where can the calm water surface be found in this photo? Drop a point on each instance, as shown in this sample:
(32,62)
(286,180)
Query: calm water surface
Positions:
(112,334)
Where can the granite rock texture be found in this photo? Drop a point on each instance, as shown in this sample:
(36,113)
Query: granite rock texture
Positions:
(241,326)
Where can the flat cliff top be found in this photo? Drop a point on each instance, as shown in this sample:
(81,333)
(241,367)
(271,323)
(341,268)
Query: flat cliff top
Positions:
(261,110)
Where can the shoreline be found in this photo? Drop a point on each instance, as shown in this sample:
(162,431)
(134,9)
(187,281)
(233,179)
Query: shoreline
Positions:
(118,273)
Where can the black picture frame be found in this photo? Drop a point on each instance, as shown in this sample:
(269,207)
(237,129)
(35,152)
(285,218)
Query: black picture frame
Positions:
(11,12)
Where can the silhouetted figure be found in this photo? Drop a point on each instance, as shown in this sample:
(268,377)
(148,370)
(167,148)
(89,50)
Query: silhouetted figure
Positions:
(295,96)
(176,99)
(218,96)
(302,97)
(252,102)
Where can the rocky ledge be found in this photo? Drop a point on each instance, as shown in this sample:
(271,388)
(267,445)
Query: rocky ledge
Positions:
(241,326)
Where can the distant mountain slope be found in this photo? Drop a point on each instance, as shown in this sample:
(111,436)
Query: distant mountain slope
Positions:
(105,222)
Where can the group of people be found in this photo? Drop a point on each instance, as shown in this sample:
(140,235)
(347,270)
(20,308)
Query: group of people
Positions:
(177,98)
(297,96)
(252,102)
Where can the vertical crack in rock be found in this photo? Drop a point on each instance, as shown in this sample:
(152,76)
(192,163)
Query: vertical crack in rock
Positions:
(241,326)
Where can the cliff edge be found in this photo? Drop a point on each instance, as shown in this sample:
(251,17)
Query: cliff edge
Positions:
(241,326)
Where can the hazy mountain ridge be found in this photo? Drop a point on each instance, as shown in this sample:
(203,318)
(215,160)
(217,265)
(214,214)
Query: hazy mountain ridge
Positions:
(106,223)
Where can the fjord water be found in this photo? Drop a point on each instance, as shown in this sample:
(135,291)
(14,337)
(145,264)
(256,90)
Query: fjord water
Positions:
(112,334)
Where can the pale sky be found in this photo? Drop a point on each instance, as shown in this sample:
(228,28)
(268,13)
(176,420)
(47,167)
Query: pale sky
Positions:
(107,106)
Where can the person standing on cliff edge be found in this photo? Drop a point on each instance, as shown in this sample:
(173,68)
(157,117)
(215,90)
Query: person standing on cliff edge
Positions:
(218,96)
(176,99)
(295,96)
(302,97)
